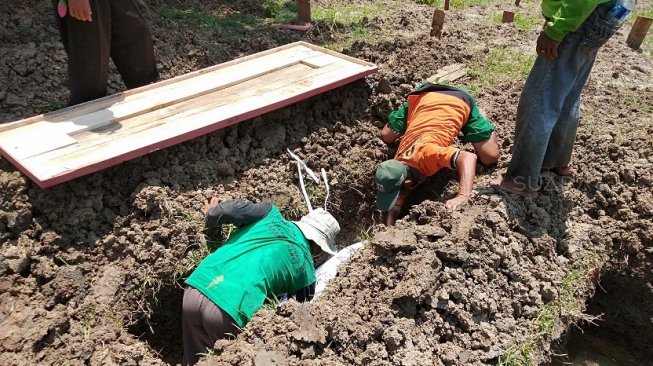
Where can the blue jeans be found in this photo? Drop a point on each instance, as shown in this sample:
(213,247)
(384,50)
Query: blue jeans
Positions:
(549,106)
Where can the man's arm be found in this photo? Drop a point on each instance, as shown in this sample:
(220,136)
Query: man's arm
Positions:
(237,212)
(568,17)
(466,166)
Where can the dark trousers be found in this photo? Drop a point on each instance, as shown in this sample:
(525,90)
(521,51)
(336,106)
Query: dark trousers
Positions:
(118,30)
(202,323)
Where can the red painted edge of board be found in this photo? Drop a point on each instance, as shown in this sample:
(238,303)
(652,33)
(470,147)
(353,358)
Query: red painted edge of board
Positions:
(183,137)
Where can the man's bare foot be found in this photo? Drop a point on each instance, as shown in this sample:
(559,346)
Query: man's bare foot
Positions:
(509,186)
(455,202)
(564,171)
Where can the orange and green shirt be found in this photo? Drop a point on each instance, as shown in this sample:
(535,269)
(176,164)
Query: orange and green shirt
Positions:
(430,122)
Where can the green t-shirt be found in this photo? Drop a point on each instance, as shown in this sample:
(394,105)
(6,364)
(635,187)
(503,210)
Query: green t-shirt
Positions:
(564,16)
(260,261)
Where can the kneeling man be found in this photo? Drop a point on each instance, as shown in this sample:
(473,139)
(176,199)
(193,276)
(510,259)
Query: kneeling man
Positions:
(428,124)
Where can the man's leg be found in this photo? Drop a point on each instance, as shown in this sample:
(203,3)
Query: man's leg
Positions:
(132,49)
(202,323)
(541,102)
(87,45)
(195,337)
(563,136)
(217,322)
(488,150)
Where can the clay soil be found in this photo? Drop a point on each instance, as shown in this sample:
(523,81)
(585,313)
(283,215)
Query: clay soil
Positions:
(91,271)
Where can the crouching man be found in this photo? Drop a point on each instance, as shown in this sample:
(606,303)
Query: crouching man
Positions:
(266,257)
(428,124)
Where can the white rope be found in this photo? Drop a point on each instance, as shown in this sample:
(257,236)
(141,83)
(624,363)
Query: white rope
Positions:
(326,183)
(301,183)
(308,170)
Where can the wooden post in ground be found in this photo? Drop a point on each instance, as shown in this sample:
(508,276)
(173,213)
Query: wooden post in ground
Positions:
(508,16)
(446,4)
(517,2)
(438,23)
(304,11)
(638,32)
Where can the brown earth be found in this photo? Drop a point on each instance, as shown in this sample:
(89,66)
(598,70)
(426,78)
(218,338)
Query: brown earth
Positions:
(90,270)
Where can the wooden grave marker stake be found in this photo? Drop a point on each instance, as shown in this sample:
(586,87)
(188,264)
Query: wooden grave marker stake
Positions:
(304,11)
(517,2)
(508,16)
(446,4)
(638,32)
(438,23)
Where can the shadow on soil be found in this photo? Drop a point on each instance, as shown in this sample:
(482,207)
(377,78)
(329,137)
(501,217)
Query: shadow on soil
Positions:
(622,334)
(162,330)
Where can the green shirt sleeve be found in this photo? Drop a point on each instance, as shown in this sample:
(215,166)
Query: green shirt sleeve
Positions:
(477,128)
(566,15)
(397,119)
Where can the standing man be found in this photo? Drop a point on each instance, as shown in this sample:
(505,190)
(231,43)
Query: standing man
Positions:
(94,30)
(428,124)
(549,107)
(266,257)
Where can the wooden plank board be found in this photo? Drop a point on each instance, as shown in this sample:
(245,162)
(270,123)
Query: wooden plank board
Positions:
(75,141)
(451,72)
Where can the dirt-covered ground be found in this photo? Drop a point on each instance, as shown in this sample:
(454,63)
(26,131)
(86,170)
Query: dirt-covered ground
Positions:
(90,270)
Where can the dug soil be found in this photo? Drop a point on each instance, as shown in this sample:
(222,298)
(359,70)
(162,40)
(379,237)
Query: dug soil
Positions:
(91,271)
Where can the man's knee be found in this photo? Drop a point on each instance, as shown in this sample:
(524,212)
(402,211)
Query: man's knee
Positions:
(488,151)
(489,157)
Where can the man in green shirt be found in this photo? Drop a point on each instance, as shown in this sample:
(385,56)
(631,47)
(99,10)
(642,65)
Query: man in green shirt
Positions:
(549,107)
(266,257)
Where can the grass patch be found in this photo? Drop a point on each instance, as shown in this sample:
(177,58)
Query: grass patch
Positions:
(457,4)
(524,23)
(634,100)
(234,23)
(521,356)
(46,107)
(567,305)
(281,11)
(271,303)
(647,12)
(528,23)
(365,234)
(349,14)
(289,207)
(501,65)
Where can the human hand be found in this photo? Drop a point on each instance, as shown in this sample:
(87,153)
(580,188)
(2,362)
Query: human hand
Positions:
(455,202)
(209,204)
(80,10)
(546,47)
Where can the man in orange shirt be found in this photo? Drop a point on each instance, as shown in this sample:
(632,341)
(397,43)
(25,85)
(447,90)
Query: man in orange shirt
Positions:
(428,124)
